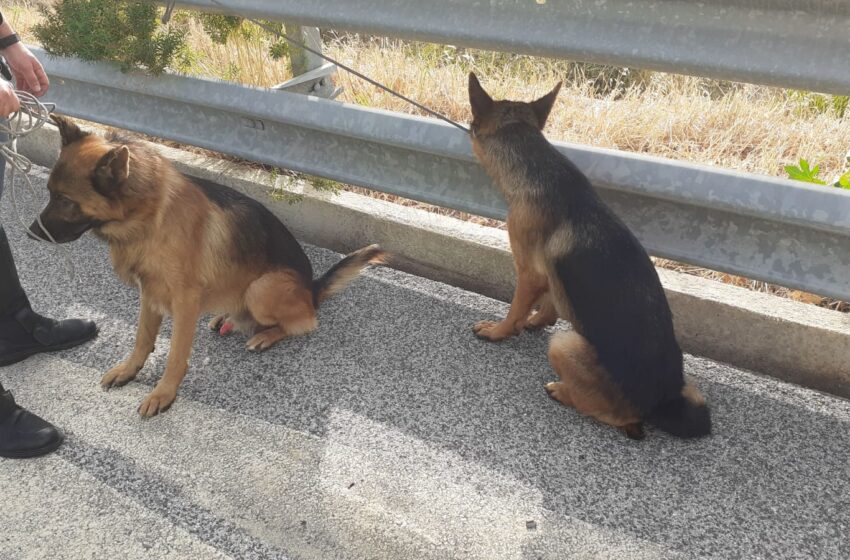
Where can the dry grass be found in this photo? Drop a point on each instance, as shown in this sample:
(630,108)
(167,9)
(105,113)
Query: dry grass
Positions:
(744,127)
(737,126)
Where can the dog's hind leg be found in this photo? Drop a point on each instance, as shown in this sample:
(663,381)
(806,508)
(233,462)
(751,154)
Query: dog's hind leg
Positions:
(545,316)
(586,386)
(280,302)
(559,391)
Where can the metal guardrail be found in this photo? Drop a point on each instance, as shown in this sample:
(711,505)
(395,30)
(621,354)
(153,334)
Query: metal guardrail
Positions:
(802,44)
(791,234)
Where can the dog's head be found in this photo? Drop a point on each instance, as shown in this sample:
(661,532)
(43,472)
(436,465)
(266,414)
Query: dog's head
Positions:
(489,115)
(85,185)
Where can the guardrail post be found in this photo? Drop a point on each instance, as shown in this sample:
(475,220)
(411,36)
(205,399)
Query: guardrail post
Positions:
(311,74)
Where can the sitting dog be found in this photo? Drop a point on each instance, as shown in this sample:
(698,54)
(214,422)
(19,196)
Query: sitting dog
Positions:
(190,247)
(575,259)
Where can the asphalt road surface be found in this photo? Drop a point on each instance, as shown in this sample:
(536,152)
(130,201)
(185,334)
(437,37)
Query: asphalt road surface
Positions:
(392,433)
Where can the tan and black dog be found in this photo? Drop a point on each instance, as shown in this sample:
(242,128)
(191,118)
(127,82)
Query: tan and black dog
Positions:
(575,259)
(191,247)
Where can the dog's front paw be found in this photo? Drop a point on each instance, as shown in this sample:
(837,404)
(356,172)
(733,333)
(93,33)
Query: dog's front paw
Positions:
(159,400)
(491,330)
(120,375)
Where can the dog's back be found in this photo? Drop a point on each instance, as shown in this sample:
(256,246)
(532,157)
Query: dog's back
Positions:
(613,292)
(257,235)
(599,277)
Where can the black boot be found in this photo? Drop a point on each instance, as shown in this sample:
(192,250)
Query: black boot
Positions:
(22,433)
(24,332)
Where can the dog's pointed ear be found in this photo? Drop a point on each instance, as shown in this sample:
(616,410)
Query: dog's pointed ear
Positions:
(543,106)
(479,100)
(69,131)
(112,170)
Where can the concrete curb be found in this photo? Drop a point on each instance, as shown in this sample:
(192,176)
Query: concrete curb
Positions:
(792,341)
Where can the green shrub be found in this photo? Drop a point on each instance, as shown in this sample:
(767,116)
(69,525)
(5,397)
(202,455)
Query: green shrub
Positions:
(220,28)
(128,33)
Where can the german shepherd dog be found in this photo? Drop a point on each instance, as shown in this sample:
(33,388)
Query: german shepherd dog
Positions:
(190,247)
(575,259)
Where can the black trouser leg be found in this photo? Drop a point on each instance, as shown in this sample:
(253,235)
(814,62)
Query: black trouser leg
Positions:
(12,296)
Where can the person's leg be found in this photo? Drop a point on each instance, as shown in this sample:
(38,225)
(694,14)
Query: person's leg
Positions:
(12,296)
(22,331)
(22,433)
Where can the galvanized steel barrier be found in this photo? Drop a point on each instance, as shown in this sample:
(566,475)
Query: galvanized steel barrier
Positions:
(791,234)
(800,44)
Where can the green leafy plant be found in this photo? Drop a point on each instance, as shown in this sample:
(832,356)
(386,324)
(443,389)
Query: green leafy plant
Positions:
(279,49)
(280,194)
(128,33)
(220,28)
(820,103)
(323,184)
(278,190)
(805,172)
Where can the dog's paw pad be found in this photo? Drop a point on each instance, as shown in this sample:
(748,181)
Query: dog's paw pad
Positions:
(226,328)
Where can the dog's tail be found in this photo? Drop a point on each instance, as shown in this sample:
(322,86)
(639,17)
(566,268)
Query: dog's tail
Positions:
(686,416)
(346,270)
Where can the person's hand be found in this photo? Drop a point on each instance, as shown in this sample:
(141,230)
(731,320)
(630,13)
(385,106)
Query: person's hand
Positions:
(8,100)
(27,70)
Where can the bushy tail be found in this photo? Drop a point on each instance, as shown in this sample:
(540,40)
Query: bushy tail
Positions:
(346,270)
(686,416)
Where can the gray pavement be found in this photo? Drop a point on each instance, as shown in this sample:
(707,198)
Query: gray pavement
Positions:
(392,432)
